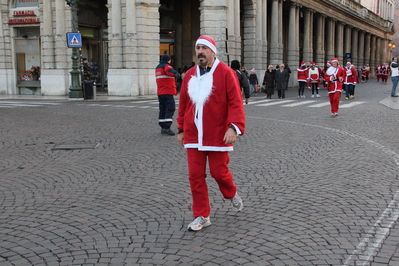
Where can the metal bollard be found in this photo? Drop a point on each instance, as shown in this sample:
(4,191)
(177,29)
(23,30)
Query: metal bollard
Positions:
(94,90)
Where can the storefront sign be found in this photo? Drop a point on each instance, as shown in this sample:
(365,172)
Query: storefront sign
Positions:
(24,13)
(14,21)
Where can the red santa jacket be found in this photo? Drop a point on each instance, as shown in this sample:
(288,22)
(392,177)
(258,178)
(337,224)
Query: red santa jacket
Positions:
(350,75)
(302,73)
(208,105)
(333,75)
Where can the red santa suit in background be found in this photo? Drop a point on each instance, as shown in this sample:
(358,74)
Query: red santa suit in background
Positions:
(314,79)
(209,104)
(378,72)
(302,74)
(363,70)
(385,72)
(334,75)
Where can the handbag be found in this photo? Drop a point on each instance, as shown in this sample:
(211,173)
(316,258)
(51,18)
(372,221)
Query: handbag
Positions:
(263,89)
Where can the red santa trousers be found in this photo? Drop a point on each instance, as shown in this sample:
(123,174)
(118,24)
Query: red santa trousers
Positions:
(334,101)
(219,170)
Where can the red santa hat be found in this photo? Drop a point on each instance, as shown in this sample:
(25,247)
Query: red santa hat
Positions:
(335,60)
(208,41)
(312,64)
(349,63)
(329,63)
(303,63)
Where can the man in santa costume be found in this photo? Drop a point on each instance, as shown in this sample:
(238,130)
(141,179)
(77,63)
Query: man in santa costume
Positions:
(210,118)
(335,76)
(302,74)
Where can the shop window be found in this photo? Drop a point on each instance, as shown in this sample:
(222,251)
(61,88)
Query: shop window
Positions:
(27,49)
(26,3)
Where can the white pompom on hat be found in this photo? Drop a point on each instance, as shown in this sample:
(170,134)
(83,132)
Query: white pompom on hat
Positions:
(208,41)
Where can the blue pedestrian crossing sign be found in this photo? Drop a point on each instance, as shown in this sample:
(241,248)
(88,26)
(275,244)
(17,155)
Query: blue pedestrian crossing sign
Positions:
(74,39)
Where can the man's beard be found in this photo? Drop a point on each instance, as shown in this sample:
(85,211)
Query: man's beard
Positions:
(202,62)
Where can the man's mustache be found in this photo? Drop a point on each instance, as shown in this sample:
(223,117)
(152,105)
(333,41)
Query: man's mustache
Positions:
(201,55)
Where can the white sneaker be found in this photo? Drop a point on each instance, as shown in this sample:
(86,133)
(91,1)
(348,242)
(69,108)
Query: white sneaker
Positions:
(199,223)
(312,96)
(303,96)
(237,202)
(318,96)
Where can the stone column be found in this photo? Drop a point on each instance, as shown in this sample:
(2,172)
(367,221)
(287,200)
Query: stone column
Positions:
(339,46)
(7,71)
(348,43)
(293,38)
(378,51)
(293,52)
(264,35)
(355,47)
(115,36)
(130,36)
(307,38)
(367,49)
(361,49)
(258,37)
(320,48)
(331,39)
(384,51)
(237,29)
(148,45)
(48,56)
(231,32)
(280,30)
(250,48)
(373,53)
(213,22)
(274,44)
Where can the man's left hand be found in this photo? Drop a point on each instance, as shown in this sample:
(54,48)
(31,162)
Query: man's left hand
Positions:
(230,137)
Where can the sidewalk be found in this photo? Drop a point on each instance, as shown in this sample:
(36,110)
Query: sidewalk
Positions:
(65,98)
(390,102)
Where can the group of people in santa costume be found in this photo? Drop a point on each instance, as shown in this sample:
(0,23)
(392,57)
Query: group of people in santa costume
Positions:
(382,72)
(365,70)
(309,77)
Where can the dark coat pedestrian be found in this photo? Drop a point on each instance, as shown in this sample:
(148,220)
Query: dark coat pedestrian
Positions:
(242,78)
(281,78)
(269,81)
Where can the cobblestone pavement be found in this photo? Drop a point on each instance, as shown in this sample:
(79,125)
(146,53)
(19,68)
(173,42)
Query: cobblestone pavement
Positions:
(97,184)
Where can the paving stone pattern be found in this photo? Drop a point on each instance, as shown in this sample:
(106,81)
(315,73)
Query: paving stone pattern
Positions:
(317,190)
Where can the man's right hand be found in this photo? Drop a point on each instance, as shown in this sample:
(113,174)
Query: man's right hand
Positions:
(180,138)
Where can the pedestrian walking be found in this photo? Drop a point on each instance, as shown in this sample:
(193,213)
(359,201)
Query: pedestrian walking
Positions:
(242,79)
(269,81)
(335,76)
(210,118)
(244,70)
(394,75)
(281,81)
(166,89)
(253,81)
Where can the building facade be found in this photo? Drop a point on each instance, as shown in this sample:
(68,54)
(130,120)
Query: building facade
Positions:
(122,40)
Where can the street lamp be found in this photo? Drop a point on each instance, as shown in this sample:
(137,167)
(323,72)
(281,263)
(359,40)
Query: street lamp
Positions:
(75,90)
